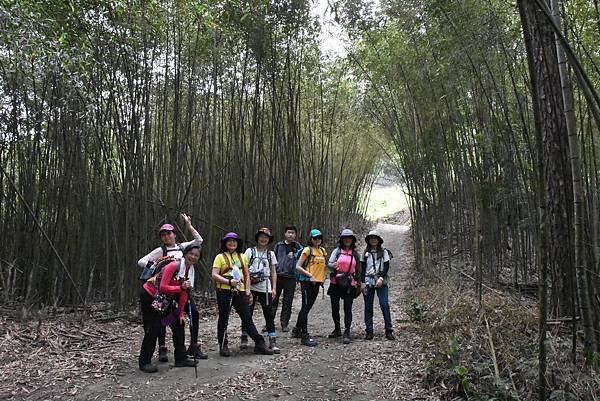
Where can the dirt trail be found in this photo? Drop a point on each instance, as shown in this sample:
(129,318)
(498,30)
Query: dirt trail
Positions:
(363,370)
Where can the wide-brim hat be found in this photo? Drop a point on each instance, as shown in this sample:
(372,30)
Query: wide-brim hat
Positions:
(347,233)
(231,235)
(375,234)
(266,231)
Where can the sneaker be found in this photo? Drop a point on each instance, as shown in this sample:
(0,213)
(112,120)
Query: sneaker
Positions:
(148,368)
(284,328)
(195,352)
(296,333)
(336,333)
(273,345)
(162,354)
(261,348)
(186,363)
(244,342)
(308,341)
(224,351)
(369,336)
(347,337)
(390,335)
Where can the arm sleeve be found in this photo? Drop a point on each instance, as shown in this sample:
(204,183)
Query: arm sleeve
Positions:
(273,259)
(363,270)
(183,297)
(196,241)
(333,257)
(165,282)
(151,257)
(386,267)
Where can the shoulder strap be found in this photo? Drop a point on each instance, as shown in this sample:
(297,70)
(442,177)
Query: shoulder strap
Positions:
(181,248)
(227,262)
(241,259)
(252,255)
(309,257)
(164,249)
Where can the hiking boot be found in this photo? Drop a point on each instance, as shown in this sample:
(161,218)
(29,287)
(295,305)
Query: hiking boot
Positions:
(284,328)
(336,333)
(347,337)
(369,336)
(224,351)
(390,335)
(186,363)
(244,341)
(308,341)
(148,368)
(273,345)
(296,333)
(162,354)
(261,348)
(195,351)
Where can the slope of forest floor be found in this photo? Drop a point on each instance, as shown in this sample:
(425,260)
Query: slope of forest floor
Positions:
(59,358)
(488,350)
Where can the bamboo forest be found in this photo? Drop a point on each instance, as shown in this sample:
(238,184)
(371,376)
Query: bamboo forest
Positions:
(213,170)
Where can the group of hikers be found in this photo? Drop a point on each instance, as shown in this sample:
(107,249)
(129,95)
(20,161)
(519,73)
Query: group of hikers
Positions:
(260,275)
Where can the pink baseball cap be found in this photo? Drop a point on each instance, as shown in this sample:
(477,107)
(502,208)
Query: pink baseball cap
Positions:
(166,227)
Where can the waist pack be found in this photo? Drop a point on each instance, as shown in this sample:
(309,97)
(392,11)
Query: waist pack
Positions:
(162,303)
(343,280)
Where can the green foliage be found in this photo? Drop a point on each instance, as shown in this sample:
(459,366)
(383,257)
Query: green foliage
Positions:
(417,310)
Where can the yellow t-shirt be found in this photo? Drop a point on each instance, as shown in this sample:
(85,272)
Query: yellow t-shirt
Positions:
(317,263)
(225,262)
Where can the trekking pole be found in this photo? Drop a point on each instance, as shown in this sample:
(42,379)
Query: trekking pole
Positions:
(228,314)
(192,329)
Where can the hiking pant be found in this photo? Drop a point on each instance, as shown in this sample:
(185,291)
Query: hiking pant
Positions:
(382,295)
(265,301)
(226,300)
(162,334)
(335,310)
(287,285)
(152,326)
(310,292)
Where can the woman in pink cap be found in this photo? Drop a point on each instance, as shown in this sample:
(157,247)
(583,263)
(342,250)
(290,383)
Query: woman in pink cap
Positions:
(171,248)
(344,264)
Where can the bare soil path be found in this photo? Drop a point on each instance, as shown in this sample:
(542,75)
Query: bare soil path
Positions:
(364,370)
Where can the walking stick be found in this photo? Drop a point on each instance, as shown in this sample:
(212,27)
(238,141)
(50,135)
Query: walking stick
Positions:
(192,329)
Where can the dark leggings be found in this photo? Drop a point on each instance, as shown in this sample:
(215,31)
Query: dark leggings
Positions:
(287,285)
(310,292)
(226,300)
(335,311)
(152,326)
(265,300)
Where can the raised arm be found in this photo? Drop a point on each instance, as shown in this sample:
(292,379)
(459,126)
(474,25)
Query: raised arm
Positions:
(188,226)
